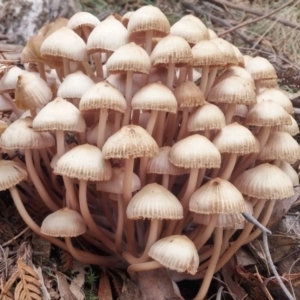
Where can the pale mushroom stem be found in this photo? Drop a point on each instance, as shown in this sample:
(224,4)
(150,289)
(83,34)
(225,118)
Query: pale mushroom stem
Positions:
(204,79)
(226,174)
(120,224)
(146,266)
(262,137)
(165,181)
(152,238)
(152,121)
(60,143)
(98,233)
(160,125)
(200,240)
(184,121)
(242,237)
(218,232)
(66,65)
(230,112)
(72,199)
(117,123)
(211,78)
(128,96)
(148,43)
(101,128)
(41,69)
(264,221)
(98,64)
(182,75)
(190,74)
(37,182)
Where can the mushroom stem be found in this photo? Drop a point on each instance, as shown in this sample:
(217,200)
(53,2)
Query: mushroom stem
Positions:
(41,69)
(148,43)
(152,121)
(71,193)
(204,79)
(160,125)
(37,182)
(150,265)
(184,121)
(211,78)
(117,123)
(66,66)
(152,237)
(120,225)
(165,181)
(99,234)
(128,96)
(98,64)
(60,143)
(226,174)
(101,128)
(230,112)
(218,232)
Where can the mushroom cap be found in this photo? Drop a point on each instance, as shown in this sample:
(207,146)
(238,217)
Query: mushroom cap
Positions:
(81,19)
(74,85)
(5,104)
(195,151)
(260,68)
(188,94)
(265,181)
(227,50)
(130,141)
(172,50)
(59,114)
(206,117)
(160,164)
(235,138)
(280,146)
(166,251)
(267,113)
(64,43)
(217,196)
(126,17)
(84,162)
(11,173)
(155,96)
(9,80)
(147,18)
(290,171)
(20,135)
(241,110)
(212,34)
(63,223)
(92,133)
(233,89)
(239,55)
(292,129)
(116,182)
(103,95)
(129,58)
(108,36)
(154,201)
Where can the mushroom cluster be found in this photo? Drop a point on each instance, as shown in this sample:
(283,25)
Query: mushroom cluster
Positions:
(149,140)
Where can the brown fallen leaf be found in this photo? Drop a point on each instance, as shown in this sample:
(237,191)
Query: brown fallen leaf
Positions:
(63,287)
(104,289)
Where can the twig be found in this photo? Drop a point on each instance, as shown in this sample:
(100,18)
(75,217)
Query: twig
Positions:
(256,12)
(290,270)
(263,285)
(251,219)
(15,237)
(248,22)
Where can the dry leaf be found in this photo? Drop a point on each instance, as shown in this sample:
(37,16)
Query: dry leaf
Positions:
(104,290)
(63,287)
(78,281)
(45,294)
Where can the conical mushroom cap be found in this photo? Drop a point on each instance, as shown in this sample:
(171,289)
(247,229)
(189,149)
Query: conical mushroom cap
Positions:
(9,80)
(155,96)
(32,91)
(235,138)
(217,196)
(195,151)
(260,68)
(59,114)
(292,129)
(63,223)
(130,140)
(227,50)
(81,19)
(206,117)
(84,162)
(290,171)
(265,181)
(11,173)
(166,251)
(281,146)
(103,95)
(116,182)
(20,135)
(154,201)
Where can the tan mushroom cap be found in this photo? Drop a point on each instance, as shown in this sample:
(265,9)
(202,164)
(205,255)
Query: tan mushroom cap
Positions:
(260,68)
(266,83)
(63,223)
(103,95)
(217,196)
(11,174)
(280,146)
(115,183)
(59,114)
(147,18)
(154,201)
(267,113)
(64,43)
(235,138)
(126,17)
(212,34)
(174,50)
(160,164)
(227,50)
(130,140)
(195,151)
(188,94)
(278,97)
(53,26)
(239,55)
(129,57)
(206,117)
(74,85)
(155,96)
(166,251)
(290,171)
(81,19)
(108,36)
(84,162)
(292,129)
(9,80)
(20,135)
(190,30)
(265,181)
(32,91)
(235,90)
